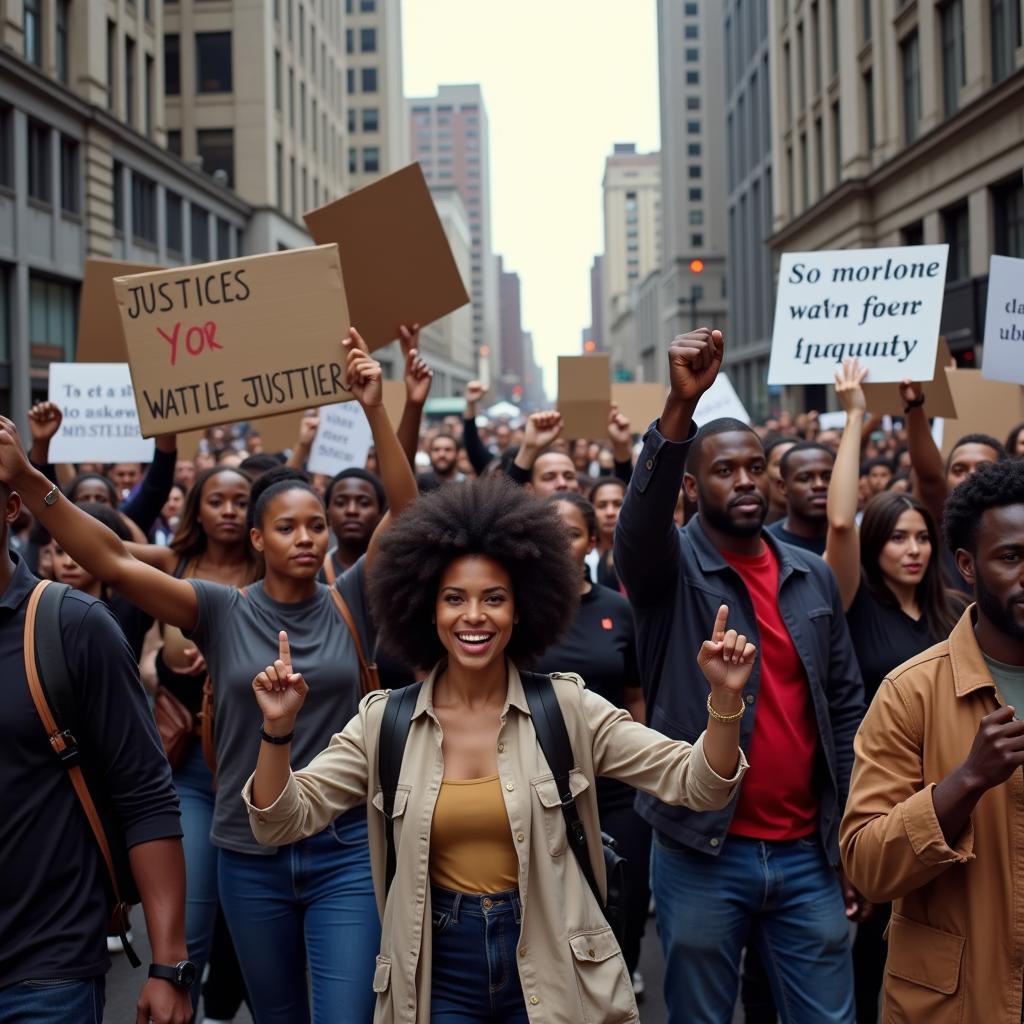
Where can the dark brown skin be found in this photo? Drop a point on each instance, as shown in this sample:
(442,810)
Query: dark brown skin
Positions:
(808,474)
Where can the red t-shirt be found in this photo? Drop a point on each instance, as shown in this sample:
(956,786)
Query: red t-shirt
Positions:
(777,799)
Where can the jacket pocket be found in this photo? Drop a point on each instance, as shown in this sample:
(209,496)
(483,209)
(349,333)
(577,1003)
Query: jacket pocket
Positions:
(605,991)
(923,972)
(382,975)
(550,811)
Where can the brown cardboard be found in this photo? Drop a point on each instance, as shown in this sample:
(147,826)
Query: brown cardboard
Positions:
(584,395)
(394,400)
(395,258)
(278,433)
(100,334)
(235,340)
(885,399)
(992,407)
(641,404)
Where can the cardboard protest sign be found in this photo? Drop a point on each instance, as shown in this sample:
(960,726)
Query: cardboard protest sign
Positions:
(881,305)
(584,395)
(1004,321)
(641,404)
(277,434)
(235,340)
(885,398)
(342,439)
(720,400)
(395,258)
(982,406)
(100,421)
(394,400)
(100,334)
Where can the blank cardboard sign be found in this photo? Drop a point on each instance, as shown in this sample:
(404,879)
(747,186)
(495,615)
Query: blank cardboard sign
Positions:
(640,403)
(584,395)
(100,334)
(277,433)
(983,407)
(395,258)
(235,340)
(885,399)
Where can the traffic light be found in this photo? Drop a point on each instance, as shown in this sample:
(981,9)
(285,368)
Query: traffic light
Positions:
(696,266)
(590,346)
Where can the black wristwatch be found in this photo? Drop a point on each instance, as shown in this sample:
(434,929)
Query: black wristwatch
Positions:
(182,974)
(914,403)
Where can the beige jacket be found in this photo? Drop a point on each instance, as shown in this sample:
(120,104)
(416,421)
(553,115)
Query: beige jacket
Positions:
(570,965)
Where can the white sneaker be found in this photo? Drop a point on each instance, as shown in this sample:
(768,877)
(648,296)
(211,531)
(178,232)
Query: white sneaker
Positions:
(638,986)
(114,943)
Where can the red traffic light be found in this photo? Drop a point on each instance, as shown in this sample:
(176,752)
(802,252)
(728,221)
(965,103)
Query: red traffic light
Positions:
(696,266)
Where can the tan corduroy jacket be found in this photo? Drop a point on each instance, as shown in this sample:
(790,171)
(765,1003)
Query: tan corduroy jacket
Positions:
(956,941)
(570,965)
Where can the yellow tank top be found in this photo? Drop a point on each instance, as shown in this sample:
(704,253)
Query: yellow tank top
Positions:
(471,848)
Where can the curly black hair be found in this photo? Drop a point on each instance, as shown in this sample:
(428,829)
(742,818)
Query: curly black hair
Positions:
(490,517)
(994,485)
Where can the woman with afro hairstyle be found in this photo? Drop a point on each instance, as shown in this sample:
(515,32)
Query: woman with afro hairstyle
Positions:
(489,916)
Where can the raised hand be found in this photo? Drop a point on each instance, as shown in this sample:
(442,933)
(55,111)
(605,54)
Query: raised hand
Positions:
(848,386)
(280,691)
(694,360)
(44,419)
(618,427)
(308,427)
(475,391)
(727,659)
(910,392)
(363,372)
(13,461)
(418,377)
(542,428)
(408,338)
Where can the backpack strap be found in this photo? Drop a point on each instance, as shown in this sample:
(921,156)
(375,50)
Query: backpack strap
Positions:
(42,618)
(553,737)
(394,731)
(368,676)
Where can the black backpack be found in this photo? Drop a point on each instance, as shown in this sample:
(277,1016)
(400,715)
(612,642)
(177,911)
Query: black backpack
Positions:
(553,737)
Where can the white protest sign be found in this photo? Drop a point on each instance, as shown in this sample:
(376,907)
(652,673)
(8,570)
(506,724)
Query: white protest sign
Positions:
(1004,321)
(342,439)
(720,400)
(101,422)
(881,305)
(832,420)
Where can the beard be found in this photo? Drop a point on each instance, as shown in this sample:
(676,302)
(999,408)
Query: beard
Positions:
(1000,615)
(721,519)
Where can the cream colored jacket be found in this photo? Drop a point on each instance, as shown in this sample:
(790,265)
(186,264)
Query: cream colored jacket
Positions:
(570,965)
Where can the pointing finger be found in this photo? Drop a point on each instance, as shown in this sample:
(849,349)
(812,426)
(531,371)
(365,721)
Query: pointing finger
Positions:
(284,648)
(718,631)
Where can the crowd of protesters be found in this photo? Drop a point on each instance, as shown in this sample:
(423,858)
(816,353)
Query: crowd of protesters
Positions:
(786,660)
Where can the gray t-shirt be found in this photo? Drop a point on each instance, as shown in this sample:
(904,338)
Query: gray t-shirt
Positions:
(238,637)
(1010,681)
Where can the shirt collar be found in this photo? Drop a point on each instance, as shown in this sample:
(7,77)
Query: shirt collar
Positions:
(18,590)
(970,672)
(515,698)
(710,559)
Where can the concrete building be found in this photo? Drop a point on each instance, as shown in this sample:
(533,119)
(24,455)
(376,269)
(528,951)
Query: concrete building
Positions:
(449,138)
(751,282)
(534,396)
(692,287)
(377,138)
(596,332)
(511,380)
(901,124)
(84,172)
(632,246)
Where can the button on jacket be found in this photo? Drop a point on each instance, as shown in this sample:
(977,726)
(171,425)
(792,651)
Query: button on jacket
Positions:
(676,580)
(570,965)
(956,941)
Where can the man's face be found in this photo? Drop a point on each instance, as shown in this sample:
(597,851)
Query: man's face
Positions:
(125,475)
(776,493)
(502,437)
(805,484)
(553,472)
(966,459)
(878,478)
(581,454)
(443,453)
(999,569)
(731,483)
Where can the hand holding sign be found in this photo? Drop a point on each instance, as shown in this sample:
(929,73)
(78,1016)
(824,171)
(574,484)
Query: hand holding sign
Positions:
(727,659)
(694,360)
(363,373)
(280,691)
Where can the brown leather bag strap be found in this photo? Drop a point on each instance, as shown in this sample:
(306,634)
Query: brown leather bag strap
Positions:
(368,677)
(57,738)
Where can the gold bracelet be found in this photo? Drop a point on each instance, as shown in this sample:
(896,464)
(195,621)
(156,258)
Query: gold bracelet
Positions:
(726,719)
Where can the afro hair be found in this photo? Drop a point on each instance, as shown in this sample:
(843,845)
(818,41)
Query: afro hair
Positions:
(994,485)
(489,517)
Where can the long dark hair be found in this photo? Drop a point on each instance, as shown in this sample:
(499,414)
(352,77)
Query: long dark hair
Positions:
(190,540)
(936,602)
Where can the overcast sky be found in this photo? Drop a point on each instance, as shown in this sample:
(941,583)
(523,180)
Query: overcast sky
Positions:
(562,81)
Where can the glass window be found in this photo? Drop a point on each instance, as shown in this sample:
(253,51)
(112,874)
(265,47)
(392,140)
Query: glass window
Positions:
(70,176)
(693,127)
(693,103)
(279,172)
(129,80)
(913,234)
(367,40)
(954,71)
(694,171)
(39,182)
(837,142)
(111,59)
(223,239)
(277,80)
(367,6)
(1008,208)
(368,79)
(956,229)
(213,62)
(200,222)
(696,241)
(371,119)
(801,72)
(63,56)
(696,217)
(690,10)
(819,158)
(691,32)
(51,320)
(175,228)
(833,33)
(302,30)
(696,195)
(815,49)
(174,141)
(172,65)
(143,208)
(350,81)
(302,111)
(350,44)
(865,18)
(692,55)
(291,97)
(371,160)
(118,197)
(693,149)
(32,25)
(1004,16)
(353,161)
(6,146)
(351,115)
(911,57)
(216,148)
(869,107)
(693,78)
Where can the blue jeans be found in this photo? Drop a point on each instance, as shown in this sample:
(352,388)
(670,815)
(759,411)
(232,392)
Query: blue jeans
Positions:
(782,897)
(53,1002)
(310,903)
(476,975)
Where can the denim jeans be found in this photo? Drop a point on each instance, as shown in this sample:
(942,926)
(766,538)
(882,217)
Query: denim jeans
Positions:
(476,976)
(53,1002)
(782,897)
(307,904)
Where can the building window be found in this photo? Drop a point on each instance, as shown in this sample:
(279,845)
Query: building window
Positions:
(367,6)
(693,78)
(223,239)
(694,172)
(833,33)
(801,70)
(70,176)
(313,124)
(837,142)
(51,320)
(691,32)
(351,116)
(129,80)
(371,119)
(350,81)
(913,234)
(63,55)
(368,79)
(143,209)
(277,80)
(305,189)
(371,160)
(805,174)
(1004,17)
(350,40)
(118,197)
(353,161)
(367,40)
(293,187)
(692,55)
(302,31)
(216,148)
(697,241)
(693,103)
(693,149)
(954,71)
(172,65)
(865,19)
(279,171)
(819,156)
(111,62)
(1008,208)
(696,217)
(690,10)
(816,48)
(911,57)
(39,180)
(147,95)
(32,22)
(693,127)
(174,142)
(869,108)
(291,98)
(213,62)
(6,147)
(696,195)
(956,229)
(175,228)
(200,222)
(288,18)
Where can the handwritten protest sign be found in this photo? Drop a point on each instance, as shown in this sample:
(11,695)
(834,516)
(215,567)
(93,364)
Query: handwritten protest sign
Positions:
(1004,321)
(881,305)
(100,334)
(100,419)
(235,340)
(584,395)
(342,439)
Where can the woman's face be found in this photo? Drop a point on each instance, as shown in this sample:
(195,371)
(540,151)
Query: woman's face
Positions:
(475,611)
(354,511)
(92,489)
(222,507)
(293,534)
(905,557)
(67,570)
(44,562)
(580,541)
(1018,445)
(607,501)
(173,505)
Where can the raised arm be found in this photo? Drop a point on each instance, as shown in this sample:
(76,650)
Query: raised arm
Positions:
(144,507)
(542,429)
(97,549)
(842,547)
(621,436)
(477,453)
(308,426)
(418,378)
(925,457)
